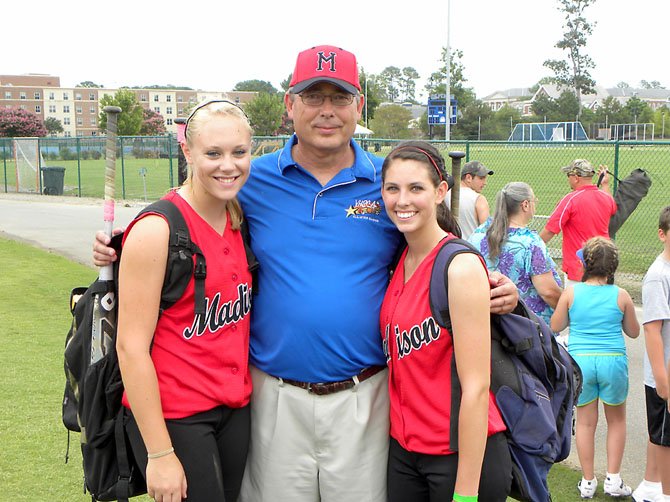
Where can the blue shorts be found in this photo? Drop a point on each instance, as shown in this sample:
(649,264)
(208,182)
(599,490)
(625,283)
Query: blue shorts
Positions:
(605,378)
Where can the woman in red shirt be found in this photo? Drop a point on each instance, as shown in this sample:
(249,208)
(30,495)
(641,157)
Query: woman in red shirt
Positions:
(186,378)
(422,466)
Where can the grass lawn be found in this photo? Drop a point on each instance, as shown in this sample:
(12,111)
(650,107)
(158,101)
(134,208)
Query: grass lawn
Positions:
(34,320)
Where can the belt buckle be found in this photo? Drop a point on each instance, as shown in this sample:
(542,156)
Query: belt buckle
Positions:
(319,389)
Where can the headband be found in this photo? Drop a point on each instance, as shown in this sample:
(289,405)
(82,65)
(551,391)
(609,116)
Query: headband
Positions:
(430,158)
(207,103)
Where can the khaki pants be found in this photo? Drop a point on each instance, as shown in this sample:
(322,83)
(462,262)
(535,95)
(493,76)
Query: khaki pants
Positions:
(309,448)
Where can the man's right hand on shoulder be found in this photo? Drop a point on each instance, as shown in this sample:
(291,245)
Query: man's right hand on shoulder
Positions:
(103,255)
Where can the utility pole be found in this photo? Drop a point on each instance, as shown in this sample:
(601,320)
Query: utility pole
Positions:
(447,122)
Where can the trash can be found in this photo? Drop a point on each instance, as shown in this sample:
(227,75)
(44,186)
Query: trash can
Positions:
(52,180)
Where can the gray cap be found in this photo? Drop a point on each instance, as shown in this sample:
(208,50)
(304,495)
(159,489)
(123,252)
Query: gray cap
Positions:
(475,168)
(579,167)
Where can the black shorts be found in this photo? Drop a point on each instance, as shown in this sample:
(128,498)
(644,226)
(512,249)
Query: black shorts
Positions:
(419,477)
(658,418)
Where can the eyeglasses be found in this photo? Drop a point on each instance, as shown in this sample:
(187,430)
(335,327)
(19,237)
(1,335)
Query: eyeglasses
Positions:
(317,99)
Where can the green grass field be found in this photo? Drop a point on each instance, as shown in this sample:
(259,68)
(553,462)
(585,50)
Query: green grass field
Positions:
(536,164)
(34,320)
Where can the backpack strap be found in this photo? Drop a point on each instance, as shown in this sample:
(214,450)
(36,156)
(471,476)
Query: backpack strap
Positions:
(252,262)
(439,278)
(439,307)
(179,242)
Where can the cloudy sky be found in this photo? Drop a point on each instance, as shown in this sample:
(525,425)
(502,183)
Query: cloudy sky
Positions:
(212,45)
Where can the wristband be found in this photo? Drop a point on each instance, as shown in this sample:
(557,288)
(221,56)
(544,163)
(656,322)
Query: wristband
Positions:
(160,454)
(464,498)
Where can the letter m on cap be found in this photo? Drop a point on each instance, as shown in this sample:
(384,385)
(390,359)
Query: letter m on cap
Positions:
(330,60)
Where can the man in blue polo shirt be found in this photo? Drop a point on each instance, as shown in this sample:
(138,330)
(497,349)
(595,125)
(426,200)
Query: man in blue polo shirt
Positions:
(320,416)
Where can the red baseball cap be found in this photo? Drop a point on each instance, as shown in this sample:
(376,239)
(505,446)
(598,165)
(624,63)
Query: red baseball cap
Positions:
(326,63)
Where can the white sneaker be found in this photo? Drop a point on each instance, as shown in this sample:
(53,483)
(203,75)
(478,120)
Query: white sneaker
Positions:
(646,493)
(587,488)
(616,488)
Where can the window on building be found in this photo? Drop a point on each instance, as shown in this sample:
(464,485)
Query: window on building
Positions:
(77,96)
(52,95)
(66,120)
(143,98)
(169,122)
(91,96)
(93,121)
(37,95)
(66,108)
(8,94)
(52,108)
(180,99)
(22,95)
(68,134)
(80,121)
(168,110)
(66,96)
(78,110)
(38,109)
(157,109)
(168,98)
(94,133)
(92,109)
(23,107)
(155,98)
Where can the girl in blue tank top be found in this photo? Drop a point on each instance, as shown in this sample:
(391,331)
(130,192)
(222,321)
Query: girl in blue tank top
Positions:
(596,311)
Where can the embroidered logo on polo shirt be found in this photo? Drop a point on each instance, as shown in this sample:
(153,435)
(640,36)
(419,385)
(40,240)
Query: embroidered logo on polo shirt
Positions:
(364,207)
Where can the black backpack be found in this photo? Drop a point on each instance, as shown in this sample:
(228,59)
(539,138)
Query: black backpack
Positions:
(93,387)
(535,381)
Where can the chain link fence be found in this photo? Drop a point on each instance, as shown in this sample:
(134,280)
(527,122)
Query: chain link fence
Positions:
(147,168)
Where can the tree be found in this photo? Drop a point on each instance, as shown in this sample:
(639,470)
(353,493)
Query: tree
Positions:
(284,83)
(131,116)
(389,82)
(623,85)
(544,107)
(568,107)
(654,84)
(638,111)
(265,113)
(53,125)
(19,123)
(574,72)
(610,112)
(88,83)
(437,84)
(408,79)
(392,121)
(255,86)
(473,123)
(153,124)
(373,91)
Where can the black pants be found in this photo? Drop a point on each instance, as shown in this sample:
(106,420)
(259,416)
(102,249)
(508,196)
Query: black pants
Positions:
(418,477)
(212,447)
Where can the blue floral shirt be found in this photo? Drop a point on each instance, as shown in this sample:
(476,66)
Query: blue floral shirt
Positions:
(523,255)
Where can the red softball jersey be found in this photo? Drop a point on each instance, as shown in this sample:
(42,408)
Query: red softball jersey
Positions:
(202,362)
(419,354)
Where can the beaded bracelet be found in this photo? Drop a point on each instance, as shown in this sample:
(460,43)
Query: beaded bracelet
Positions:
(464,498)
(160,454)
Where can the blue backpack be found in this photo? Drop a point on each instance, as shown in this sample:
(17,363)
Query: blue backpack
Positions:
(535,381)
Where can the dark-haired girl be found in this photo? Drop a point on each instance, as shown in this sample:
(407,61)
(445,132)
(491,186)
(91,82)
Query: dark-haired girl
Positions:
(423,465)
(596,311)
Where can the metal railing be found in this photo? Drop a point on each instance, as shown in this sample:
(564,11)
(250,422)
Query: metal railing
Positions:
(148,168)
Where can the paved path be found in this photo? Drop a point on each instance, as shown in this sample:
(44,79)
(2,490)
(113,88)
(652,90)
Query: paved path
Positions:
(66,225)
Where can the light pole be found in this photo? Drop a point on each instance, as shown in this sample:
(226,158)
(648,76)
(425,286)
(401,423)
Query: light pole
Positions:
(447,122)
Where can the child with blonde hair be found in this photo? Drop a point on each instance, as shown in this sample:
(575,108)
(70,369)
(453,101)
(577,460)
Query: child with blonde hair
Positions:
(596,311)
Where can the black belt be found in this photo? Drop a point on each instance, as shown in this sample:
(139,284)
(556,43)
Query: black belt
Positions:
(322,389)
